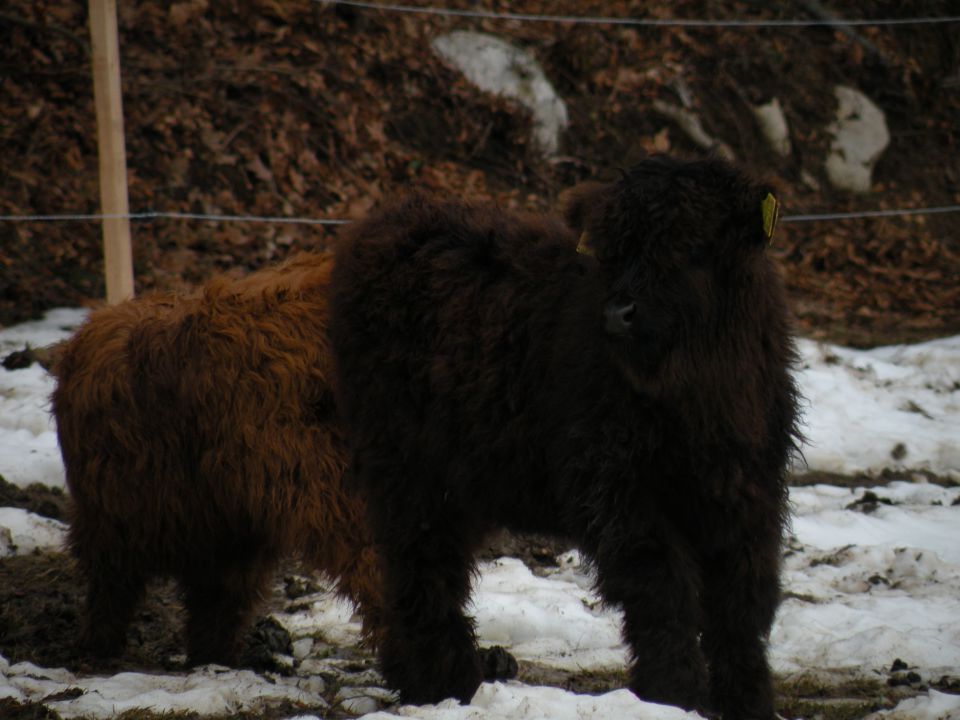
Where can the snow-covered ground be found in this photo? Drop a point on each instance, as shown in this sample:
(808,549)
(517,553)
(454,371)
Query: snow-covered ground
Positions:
(869,579)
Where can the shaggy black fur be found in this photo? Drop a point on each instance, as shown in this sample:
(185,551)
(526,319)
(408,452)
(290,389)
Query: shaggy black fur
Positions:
(638,402)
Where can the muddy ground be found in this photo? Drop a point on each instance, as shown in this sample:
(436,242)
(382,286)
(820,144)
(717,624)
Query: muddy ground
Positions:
(41,599)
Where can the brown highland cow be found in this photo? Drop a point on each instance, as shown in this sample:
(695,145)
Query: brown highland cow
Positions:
(637,401)
(201,442)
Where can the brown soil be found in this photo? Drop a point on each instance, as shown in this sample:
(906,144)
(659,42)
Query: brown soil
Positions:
(41,601)
(307,109)
(41,598)
(39,499)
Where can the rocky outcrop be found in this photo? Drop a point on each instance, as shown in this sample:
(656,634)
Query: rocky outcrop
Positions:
(500,68)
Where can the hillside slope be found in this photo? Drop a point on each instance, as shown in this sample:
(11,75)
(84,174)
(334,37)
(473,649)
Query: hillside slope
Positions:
(308,109)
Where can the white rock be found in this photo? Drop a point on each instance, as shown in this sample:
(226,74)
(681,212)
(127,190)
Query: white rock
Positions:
(497,67)
(859,138)
(302,647)
(773,125)
(363,700)
(313,684)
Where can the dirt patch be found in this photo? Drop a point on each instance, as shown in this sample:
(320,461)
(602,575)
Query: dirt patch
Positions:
(14,710)
(538,552)
(41,603)
(39,499)
(41,606)
(41,600)
(592,682)
(885,477)
(45,356)
(11,709)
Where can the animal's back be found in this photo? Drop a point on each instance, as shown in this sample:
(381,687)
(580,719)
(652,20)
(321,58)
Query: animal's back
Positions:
(460,305)
(171,406)
(201,442)
(98,417)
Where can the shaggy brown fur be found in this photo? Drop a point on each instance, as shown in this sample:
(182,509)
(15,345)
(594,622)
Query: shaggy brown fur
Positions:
(638,402)
(201,442)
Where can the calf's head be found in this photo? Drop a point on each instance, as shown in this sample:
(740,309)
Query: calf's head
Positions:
(679,250)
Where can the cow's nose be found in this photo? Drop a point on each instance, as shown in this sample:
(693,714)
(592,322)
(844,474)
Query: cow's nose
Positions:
(618,316)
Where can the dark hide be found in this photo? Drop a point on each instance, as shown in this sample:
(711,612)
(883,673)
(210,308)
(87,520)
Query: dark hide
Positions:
(638,402)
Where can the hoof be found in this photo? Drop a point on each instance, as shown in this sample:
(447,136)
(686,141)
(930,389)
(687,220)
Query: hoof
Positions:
(498,664)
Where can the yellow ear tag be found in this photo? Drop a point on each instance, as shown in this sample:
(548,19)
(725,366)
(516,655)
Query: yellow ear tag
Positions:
(584,247)
(771,212)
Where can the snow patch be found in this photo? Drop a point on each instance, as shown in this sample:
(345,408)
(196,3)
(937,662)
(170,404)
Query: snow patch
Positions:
(23,532)
(932,706)
(513,701)
(553,621)
(890,408)
(206,691)
(56,325)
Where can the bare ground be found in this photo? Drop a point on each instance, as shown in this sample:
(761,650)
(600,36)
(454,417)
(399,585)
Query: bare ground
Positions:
(41,597)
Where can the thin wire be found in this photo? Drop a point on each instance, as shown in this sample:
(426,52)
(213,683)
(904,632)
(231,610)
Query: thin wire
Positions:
(871,214)
(656,22)
(169,216)
(813,217)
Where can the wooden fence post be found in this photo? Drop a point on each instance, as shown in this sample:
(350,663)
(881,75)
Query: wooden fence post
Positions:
(117,253)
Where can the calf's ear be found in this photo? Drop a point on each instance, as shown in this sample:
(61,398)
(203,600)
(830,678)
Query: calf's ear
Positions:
(759,210)
(769,214)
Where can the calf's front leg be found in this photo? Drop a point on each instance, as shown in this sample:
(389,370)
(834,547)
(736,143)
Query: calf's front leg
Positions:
(655,581)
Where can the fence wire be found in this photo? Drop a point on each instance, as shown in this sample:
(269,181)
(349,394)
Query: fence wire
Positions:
(208,217)
(151,215)
(641,22)
(565,19)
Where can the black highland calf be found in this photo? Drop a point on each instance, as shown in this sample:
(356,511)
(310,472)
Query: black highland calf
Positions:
(634,397)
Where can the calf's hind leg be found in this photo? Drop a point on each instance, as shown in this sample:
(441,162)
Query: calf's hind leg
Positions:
(220,602)
(113,593)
